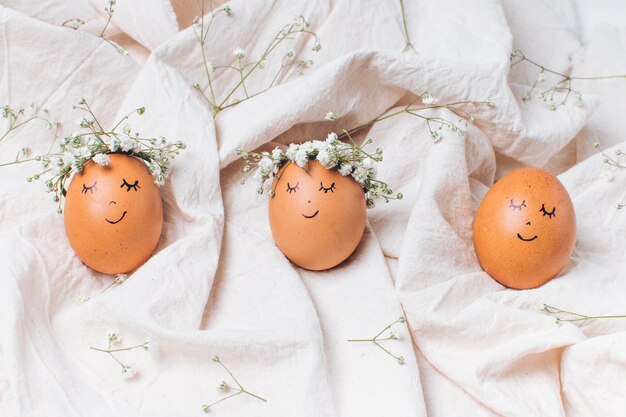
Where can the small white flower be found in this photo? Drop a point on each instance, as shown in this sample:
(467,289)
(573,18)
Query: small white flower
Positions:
(541,77)
(394,334)
(159,180)
(155,169)
(292,151)
(129,372)
(239,53)
(102,159)
(120,278)
(277,154)
(291,55)
(323,157)
(330,116)
(259,176)
(127,144)
(85,152)
(345,169)
(360,174)
(579,101)
(332,138)
(606,176)
(428,98)
(266,164)
(301,158)
(82,300)
(114,146)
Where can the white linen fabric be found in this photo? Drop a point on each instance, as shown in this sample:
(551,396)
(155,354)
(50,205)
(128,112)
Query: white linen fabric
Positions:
(217,285)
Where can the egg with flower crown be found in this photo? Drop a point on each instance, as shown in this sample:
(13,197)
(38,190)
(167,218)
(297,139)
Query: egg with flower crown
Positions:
(113,213)
(319,193)
(525,229)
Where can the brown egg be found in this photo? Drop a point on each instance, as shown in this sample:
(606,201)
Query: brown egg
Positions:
(317,216)
(113,214)
(525,229)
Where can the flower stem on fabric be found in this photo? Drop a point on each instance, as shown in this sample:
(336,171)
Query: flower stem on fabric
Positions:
(225,387)
(572,317)
(114,338)
(557,94)
(202,26)
(392,335)
(408,45)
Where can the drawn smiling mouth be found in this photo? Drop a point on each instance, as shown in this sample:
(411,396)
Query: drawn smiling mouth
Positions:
(311,216)
(118,220)
(526,240)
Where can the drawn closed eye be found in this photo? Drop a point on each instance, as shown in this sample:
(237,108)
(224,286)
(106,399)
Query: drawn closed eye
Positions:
(91,189)
(518,206)
(326,190)
(134,185)
(293,189)
(545,212)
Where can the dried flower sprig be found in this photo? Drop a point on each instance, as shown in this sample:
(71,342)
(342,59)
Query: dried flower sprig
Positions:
(18,117)
(225,387)
(392,335)
(245,68)
(572,317)
(612,163)
(349,159)
(75,23)
(119,280)
(436,125)
(94,142)
(408,45)
(114,339)
(563,86)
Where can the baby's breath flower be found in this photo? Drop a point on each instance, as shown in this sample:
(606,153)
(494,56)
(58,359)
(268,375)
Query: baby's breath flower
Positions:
(129,372)
(239,53)
(541,77)
(291,55)
(102,159)
(330,116)
(228,10)
(428,98)
(606,176)
(345,169)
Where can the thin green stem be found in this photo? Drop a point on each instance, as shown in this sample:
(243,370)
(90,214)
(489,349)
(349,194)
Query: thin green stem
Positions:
(408,45)
(579,317)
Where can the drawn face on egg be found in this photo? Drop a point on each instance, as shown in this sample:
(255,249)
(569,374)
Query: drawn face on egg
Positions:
(113,214)
(525,229)
(317,216)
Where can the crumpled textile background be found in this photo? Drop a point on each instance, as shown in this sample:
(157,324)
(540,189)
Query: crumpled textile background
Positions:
(217,285)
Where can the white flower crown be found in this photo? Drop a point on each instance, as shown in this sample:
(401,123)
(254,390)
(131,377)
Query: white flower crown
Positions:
(332,153)
(95,143)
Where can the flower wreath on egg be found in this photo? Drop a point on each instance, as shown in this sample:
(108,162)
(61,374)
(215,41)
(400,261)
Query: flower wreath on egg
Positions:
(95,144)
(348,159)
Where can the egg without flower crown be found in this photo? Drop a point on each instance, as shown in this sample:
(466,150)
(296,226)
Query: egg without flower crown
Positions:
(113,214)
(525,229)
